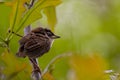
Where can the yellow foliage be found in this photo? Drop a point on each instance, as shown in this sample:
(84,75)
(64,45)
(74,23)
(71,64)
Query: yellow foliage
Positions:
(51,16)
(48,76)
(13,66)
(88,67)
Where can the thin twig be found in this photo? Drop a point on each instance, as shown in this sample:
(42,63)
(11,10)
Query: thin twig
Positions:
(15,33)
(29,5)
(36,73)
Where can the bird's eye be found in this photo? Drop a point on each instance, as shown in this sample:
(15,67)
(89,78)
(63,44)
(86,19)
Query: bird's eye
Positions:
(49,33)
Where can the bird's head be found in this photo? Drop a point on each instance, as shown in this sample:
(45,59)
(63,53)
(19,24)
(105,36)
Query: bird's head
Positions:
(45,31)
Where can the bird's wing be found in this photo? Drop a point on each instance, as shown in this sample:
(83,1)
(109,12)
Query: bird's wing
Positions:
(24,39)
(35,43)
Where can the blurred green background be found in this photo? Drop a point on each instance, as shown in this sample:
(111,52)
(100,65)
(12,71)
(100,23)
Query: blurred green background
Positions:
(86,27)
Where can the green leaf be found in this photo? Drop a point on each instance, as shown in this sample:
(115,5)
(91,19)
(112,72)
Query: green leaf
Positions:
(47,73)
(51,16)
(34,13)
(16,14)
(4,20)
(17,11)
(48,76)
(14,69)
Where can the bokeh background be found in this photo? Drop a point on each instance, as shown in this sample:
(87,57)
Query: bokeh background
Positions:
(90,33)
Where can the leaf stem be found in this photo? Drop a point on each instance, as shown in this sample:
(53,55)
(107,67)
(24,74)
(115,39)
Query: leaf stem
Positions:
(54,60)
(13,25)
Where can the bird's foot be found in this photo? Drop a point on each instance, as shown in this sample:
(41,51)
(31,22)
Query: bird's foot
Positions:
(37,69)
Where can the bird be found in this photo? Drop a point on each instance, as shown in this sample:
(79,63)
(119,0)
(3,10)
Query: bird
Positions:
(35,44)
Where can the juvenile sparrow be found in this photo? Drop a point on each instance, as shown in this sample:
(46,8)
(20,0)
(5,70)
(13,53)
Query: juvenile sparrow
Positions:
(36,43)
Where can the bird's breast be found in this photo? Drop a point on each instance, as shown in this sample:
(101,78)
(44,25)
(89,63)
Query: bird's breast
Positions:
(38,45)
(51,43)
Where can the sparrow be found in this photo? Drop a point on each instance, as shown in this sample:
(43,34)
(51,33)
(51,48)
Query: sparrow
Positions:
(36,43)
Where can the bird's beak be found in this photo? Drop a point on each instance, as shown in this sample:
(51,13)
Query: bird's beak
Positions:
(55,37)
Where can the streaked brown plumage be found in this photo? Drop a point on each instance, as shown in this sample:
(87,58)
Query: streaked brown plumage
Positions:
(36,43)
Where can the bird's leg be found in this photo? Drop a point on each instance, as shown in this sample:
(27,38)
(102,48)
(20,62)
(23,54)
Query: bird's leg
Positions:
(35,65)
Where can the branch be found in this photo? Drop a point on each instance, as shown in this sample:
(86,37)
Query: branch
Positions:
(36,73)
